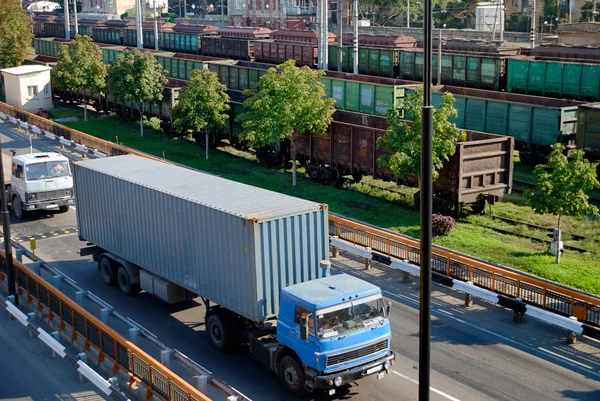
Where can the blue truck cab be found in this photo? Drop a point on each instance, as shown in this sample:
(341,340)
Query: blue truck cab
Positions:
(337,330)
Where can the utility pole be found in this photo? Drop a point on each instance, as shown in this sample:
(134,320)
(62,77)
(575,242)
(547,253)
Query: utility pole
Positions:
(319,35)
(355,52)
(138,24)
(594,12)
(10,270)
(75,16)
(533,25)
(340,14)
(426,193)
(67,20)
(439,72)
(155,27)
(325,35)
(408,14)
(222,15)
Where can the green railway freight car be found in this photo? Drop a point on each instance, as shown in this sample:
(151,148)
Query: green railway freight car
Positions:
(47,47)
(536,123)
(236,77)
(180,42)
(179,68)
(110,36)
(588,132)
(130,38)
(554,78)
(363,97)
(473,71)
(371,60)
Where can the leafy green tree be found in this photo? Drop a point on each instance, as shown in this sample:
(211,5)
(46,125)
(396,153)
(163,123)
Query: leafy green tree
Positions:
(404,139)
(80,68)
(561,186)
(202,106)
(587,11)
(15,33)
(289,102)
(136,77)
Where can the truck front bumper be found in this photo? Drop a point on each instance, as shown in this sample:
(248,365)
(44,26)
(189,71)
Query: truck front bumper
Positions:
(348,376)
(49,204)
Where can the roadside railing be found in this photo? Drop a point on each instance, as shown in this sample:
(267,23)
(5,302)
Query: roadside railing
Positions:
(125,356)
(544,294)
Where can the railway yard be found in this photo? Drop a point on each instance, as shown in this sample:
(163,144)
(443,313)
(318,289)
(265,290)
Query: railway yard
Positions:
(514,103)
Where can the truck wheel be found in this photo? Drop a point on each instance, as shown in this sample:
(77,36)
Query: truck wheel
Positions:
(124,282)
(291,376)
(218,331)
(18,208)
(108,271)
(63,209)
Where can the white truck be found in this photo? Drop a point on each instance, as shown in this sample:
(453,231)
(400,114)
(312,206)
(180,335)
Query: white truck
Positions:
(38,181)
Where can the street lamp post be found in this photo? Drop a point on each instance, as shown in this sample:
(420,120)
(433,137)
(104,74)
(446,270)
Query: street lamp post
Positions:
(222,15)
(408,13)
(155,27)
(439,74)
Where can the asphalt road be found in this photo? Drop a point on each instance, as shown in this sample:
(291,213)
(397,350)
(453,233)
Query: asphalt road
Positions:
(477,353)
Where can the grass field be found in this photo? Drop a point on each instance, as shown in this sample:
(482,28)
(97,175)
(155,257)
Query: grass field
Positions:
(381,207)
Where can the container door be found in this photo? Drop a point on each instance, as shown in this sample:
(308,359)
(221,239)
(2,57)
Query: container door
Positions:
(489,73)
(590,84)
(517,73)
(340,92)
(367,97)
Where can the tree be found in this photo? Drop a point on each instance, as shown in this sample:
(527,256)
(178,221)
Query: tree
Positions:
(15,33)
(404,139)
(80,68)
(137,77)
(587,11)
(290,101)
(561,186)
(202,106)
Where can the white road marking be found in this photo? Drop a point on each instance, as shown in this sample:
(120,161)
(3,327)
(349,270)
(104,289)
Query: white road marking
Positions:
(410,379)
(508,340)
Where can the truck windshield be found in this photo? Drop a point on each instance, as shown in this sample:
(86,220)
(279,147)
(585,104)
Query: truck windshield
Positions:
(350,317)
(45,170)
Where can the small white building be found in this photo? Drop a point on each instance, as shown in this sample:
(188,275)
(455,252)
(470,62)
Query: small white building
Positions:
(28,87)
(489,16)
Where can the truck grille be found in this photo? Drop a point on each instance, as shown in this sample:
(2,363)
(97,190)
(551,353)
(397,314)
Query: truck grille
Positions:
(51,194)
(357,353)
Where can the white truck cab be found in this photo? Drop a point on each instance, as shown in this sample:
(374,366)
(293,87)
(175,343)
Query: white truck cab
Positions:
(38,181)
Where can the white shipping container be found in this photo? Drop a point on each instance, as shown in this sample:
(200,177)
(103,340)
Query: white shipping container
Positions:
(235,244)
(489,14)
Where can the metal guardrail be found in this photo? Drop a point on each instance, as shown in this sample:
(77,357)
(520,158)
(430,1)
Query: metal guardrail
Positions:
(549,296)
(142,369)
(531,290)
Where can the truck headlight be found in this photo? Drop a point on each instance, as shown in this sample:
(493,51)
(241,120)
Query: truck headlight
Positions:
(337,381)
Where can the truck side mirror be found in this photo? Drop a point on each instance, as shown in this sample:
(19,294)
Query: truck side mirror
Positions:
(388,309)
(304,327)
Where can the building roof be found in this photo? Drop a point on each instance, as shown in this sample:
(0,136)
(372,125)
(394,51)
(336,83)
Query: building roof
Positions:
(332,290)
(40,157)
(26,69)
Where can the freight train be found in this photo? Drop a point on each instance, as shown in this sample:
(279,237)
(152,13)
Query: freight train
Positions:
(541,73)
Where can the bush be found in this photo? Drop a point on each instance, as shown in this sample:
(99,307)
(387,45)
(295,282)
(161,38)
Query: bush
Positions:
(442,225)
(43,113)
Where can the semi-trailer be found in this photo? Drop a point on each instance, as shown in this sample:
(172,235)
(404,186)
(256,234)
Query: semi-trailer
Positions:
(257,259)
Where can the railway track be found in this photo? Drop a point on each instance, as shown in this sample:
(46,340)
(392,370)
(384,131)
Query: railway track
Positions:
(529,185)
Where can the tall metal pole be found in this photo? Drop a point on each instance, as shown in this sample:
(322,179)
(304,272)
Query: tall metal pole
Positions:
(75,16)
(325,35)
(155,27)
(10,271)
(222,15)
(355,52)
(439,60)
(138,24)
(319,35)
(594,12)
(340,14)
(570,10)
(67,20)
(408,14)
(533,25)
(426,193)
(502,22)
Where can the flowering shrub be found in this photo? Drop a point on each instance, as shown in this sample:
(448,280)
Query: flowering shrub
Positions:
(43,113)
(442,225)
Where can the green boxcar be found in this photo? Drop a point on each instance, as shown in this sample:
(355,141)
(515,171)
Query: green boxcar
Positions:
(460,70)
(129,37)
(236,77)
(363,97)
(103,35)
(371,60)
(588,132)
(179,68)
(534,127)
(148,37)
(110,55)
(180,42)
(554,79)
(46,47)
(54,30)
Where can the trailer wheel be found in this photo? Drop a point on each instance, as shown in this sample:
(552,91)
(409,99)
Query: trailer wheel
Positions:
(108,270)
(218,330)
(291,375)
(125,284)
